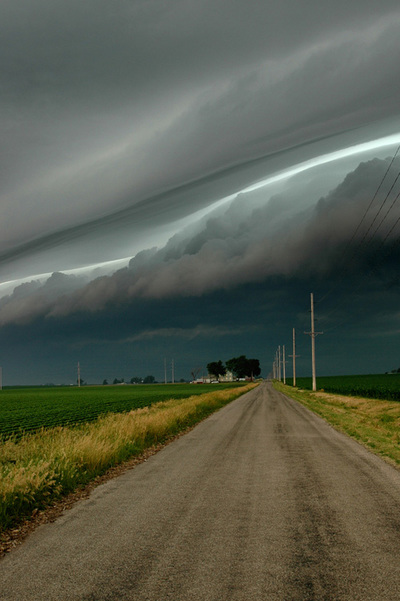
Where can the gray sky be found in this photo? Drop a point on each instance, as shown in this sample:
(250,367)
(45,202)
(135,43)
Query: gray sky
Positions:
(187,159)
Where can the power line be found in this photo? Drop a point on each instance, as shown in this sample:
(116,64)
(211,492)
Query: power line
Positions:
(385,216)
(345,265)
(368,243)
(378,213)
(371,268)
(374,197)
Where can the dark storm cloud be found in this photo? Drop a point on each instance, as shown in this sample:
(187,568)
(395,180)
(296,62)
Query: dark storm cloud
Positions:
(33,299)
(255,238)
(109,343)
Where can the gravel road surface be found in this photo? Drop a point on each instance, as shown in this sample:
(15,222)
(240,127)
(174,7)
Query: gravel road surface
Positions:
(262,501)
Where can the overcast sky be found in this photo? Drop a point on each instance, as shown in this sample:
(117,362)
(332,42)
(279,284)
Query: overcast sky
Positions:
(177,177)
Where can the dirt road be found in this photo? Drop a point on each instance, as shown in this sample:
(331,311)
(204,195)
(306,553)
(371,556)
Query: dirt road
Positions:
(262,501)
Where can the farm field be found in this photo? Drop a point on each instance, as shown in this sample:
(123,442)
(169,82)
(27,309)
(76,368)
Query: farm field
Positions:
(378,386)
(29,409)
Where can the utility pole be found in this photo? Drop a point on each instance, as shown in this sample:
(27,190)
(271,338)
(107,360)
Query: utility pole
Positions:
(79,374)
(173,371)
(313,334)
(1,378)
(279,364)
(284,365)
(165,370)
(294,357)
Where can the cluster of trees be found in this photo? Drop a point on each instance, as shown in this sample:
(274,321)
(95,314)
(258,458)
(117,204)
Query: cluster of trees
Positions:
(146,380)
(135,380)
(241,367)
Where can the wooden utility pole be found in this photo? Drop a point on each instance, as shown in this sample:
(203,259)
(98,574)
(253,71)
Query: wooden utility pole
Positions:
(79,374)
(284,365)
(294,357)
(279,364)
(313,334)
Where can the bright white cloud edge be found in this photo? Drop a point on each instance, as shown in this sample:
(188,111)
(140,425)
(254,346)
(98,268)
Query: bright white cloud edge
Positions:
(111,266)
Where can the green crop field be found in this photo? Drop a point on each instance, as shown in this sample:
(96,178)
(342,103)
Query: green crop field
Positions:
(28,409)
(380,386)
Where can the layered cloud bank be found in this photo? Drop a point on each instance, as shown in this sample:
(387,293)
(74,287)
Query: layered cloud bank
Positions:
(254,238)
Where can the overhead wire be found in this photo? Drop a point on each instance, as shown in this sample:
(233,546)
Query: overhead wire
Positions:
(367,243)
(378,213)
(345,252)
(373,198)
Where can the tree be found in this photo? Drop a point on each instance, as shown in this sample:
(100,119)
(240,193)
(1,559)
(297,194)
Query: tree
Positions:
(105,382)
(254,366)
(242,367)
(149,380)
(238,366)
(216,368)
(195,372)
(136,380)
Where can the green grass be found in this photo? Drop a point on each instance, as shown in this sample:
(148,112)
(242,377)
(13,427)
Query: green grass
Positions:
(378,386)
(30,409)
(375,423)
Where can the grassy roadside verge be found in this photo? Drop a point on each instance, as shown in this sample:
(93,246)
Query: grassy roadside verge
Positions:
(40,468)
(373,423)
